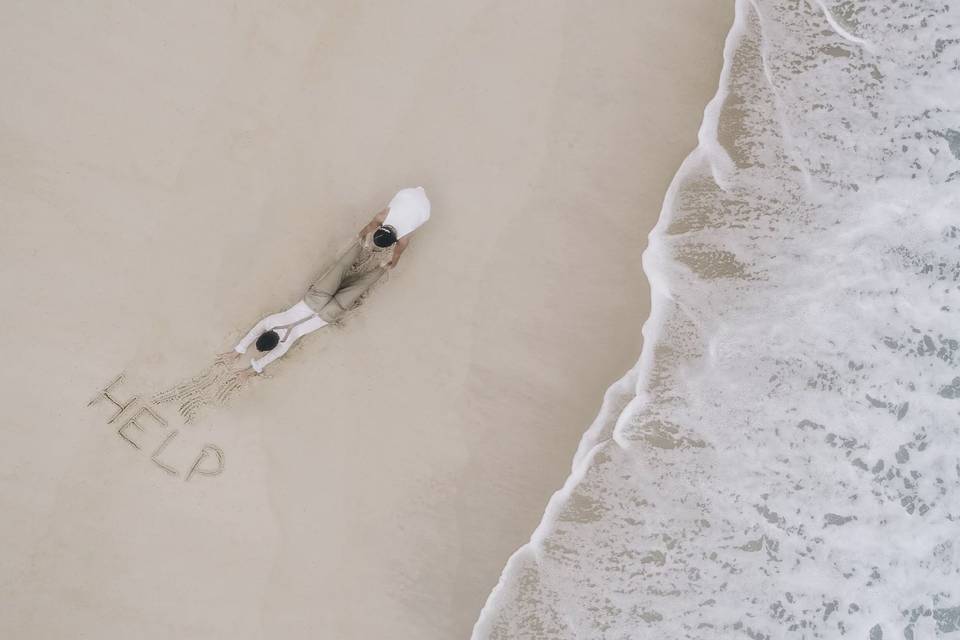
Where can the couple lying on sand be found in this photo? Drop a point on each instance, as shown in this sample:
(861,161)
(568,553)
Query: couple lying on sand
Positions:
(341,287)
(327,300)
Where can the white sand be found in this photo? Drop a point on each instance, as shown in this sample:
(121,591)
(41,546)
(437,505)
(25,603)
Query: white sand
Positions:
(170,172)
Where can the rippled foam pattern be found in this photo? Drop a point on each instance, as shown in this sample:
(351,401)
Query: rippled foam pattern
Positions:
(783,460)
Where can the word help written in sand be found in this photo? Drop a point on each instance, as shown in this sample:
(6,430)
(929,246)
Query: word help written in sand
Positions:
(146,430)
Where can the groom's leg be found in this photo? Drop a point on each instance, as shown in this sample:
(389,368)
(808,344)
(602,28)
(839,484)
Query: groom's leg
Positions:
(347,296)
(323,288)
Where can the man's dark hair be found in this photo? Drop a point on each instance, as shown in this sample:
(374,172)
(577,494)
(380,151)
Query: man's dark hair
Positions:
(384,237)
(268,341)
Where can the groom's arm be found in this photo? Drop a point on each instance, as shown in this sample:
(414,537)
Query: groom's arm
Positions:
(252,335)
(258,364)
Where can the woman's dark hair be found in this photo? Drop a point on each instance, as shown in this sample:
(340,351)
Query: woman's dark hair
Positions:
(268,341)
(384,237)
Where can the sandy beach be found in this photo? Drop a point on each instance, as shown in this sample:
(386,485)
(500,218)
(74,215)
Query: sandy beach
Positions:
(172,172)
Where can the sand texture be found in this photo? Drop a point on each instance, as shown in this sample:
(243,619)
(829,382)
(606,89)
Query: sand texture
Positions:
(170,172)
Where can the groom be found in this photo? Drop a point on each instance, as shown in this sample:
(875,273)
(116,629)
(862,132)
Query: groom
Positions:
(337,291)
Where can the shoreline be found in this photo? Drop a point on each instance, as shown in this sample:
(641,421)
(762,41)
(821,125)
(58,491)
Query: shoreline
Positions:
(376,481)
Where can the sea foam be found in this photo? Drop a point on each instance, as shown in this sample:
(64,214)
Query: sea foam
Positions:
(783,459)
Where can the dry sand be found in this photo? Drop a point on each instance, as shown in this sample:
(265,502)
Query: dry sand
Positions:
(170,172)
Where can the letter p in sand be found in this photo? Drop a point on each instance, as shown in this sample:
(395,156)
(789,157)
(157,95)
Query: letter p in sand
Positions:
(203,468)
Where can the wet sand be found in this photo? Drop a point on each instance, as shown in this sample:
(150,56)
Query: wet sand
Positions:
(171,173)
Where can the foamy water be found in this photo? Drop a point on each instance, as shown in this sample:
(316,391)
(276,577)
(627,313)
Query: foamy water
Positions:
(783,460)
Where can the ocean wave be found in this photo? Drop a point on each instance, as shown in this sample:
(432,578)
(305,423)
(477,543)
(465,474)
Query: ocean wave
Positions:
(782,461)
